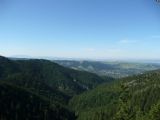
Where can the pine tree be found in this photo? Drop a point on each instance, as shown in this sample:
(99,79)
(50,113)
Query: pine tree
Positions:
(155,112)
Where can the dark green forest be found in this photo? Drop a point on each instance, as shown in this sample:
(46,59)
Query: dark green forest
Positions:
(36,89)
(20,104)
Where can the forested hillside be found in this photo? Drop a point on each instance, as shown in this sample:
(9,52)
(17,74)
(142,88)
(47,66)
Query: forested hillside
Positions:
(132,98)
(45,76)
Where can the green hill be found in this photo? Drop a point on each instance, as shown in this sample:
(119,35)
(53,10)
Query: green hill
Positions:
(132,98)
(47,78)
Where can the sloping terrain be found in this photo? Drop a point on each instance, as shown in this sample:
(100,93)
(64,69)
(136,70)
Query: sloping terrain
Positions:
(132,98)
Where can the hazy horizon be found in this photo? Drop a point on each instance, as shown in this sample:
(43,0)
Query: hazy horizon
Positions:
(129,60)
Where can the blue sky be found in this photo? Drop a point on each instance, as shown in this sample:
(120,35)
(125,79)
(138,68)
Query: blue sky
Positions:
(95,29)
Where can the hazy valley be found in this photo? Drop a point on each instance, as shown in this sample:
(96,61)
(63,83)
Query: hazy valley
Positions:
(117,69)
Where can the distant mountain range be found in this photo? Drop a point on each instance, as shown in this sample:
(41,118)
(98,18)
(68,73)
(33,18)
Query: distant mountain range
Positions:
(112,69)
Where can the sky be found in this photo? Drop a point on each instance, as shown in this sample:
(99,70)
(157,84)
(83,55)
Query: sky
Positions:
(87,29)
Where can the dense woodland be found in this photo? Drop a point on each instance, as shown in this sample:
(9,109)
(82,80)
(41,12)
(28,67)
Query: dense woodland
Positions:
(43,90)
